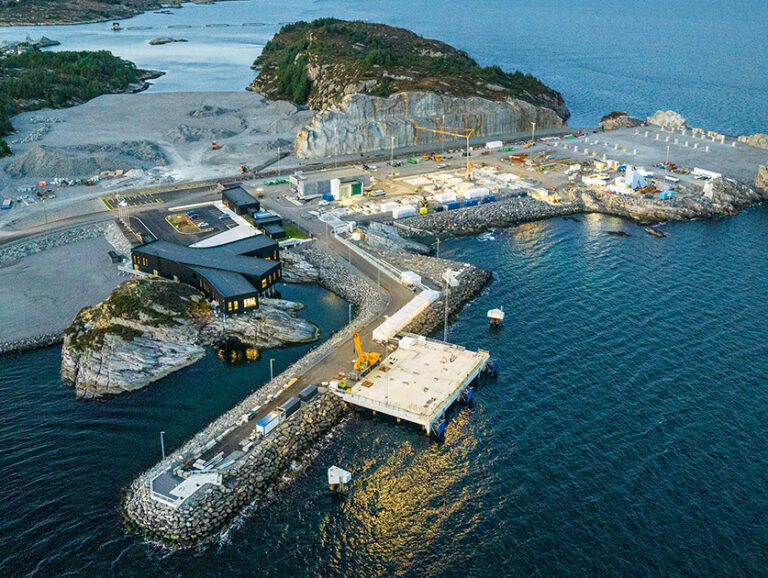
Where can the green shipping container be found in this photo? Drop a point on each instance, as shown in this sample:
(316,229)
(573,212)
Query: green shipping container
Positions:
(356,189)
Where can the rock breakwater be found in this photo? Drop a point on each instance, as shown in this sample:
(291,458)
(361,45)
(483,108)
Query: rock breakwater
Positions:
(253,478)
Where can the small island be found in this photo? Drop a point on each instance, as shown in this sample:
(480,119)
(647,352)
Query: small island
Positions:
(318,63)
(165,40)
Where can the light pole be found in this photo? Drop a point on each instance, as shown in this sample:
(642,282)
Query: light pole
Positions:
(438,247)
(162,443)
(445,319)
(667,161)
(278,160)
(442,140)
(271,369)
(350,313)
(392,156)
(533,132)
(336,142)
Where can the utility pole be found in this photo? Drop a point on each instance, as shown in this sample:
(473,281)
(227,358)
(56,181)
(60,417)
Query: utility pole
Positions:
(438,247)
(533,132)
(378,280)
(442,139)
(667,161)
(278,160)
(336,142)
(445,319)
(350,312)
(162,443)
(271,370)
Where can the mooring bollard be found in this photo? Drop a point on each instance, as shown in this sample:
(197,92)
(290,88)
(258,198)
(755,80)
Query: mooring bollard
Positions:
(706,149)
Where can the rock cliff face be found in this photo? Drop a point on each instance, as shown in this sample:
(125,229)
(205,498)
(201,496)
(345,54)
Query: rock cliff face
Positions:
(618,119)
(365,123)
(668,119)
(148,328)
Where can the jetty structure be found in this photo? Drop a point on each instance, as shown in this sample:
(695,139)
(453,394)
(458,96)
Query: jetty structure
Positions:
(496,316)
(417,382)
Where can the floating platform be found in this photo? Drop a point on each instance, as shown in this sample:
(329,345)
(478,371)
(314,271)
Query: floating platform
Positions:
(418,382)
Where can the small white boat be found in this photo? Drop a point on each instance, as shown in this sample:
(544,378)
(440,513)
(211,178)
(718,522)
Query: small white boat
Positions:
(496,316)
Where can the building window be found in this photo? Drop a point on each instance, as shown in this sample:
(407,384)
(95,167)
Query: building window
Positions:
(249,302)
(263,283)
(229,306)
(278,273)
(155,273)
(234,306)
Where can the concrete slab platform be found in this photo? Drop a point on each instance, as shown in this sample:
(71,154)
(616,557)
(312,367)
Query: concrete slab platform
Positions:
(418,381)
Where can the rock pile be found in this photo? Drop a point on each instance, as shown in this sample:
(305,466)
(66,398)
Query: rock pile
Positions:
(251,479)
(761,182)
(667,119)
(757,140)
(296,268)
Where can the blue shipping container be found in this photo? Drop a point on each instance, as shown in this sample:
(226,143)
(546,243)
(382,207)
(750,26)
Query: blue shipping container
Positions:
(327,197)
(452,205)
(666,195)
(308,393)
(471,202)
(489,199)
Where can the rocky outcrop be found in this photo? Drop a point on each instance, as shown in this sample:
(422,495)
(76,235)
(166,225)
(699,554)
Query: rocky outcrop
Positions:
(363,123)
(667,119)
(761,181)
(718,197)
(148,328)
(757,140)
(618,119)
(165,40)
(296,268)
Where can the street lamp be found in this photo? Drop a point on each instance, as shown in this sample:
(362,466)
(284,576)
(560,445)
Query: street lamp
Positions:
(533,131)
(162,443)
(350,312)
(271,369)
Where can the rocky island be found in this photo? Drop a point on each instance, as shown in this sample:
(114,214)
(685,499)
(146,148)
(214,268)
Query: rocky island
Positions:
(148,328)
(373,82)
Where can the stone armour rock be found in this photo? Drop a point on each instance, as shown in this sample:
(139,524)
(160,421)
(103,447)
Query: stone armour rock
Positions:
(758,141)
(363,123)
(668,119)
(618,119)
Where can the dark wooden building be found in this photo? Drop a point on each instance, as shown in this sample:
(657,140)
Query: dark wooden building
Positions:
(239,201)
(233,275)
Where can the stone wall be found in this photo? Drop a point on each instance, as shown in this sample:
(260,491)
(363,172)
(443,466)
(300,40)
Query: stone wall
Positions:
(364,123)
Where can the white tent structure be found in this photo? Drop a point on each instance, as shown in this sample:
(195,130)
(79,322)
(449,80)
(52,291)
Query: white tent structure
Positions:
(405,315)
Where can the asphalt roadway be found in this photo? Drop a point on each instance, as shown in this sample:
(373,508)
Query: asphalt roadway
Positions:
(342,357)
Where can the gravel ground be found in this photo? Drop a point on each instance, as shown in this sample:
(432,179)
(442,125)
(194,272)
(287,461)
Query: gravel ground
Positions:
(44,282)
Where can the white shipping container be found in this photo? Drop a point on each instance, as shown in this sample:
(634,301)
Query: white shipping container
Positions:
(480,193)
(402,212)
(410,278)
(387,207)
(445,197)
(494,144)
(268,423)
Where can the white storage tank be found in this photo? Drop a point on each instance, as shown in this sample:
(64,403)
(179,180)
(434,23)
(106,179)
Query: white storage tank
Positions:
(402,212)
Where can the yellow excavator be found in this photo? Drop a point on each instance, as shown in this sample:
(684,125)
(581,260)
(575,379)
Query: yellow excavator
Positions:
(365,361)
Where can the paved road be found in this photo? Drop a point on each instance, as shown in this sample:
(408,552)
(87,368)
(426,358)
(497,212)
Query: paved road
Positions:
(341,358)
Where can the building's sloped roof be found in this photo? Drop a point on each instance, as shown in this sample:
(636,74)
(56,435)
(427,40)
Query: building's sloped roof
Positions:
(273,228)
(248,245)
(211,257)
(227,283)
(239,196)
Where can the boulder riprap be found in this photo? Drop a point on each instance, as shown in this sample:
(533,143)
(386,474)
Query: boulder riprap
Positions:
(757,140)
(667,119)
(618,119)
(148,328)
(297,269)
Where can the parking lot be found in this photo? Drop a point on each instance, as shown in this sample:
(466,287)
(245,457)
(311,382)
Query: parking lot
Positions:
(206,217)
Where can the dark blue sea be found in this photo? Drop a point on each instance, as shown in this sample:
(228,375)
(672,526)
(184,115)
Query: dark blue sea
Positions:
(706,59)
(625,434)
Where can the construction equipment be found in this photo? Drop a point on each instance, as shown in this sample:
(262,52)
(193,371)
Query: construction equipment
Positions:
(457,132)
(243,169)
(214,145)
(365,361)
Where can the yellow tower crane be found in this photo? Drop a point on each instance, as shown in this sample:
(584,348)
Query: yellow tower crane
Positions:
(459,132)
